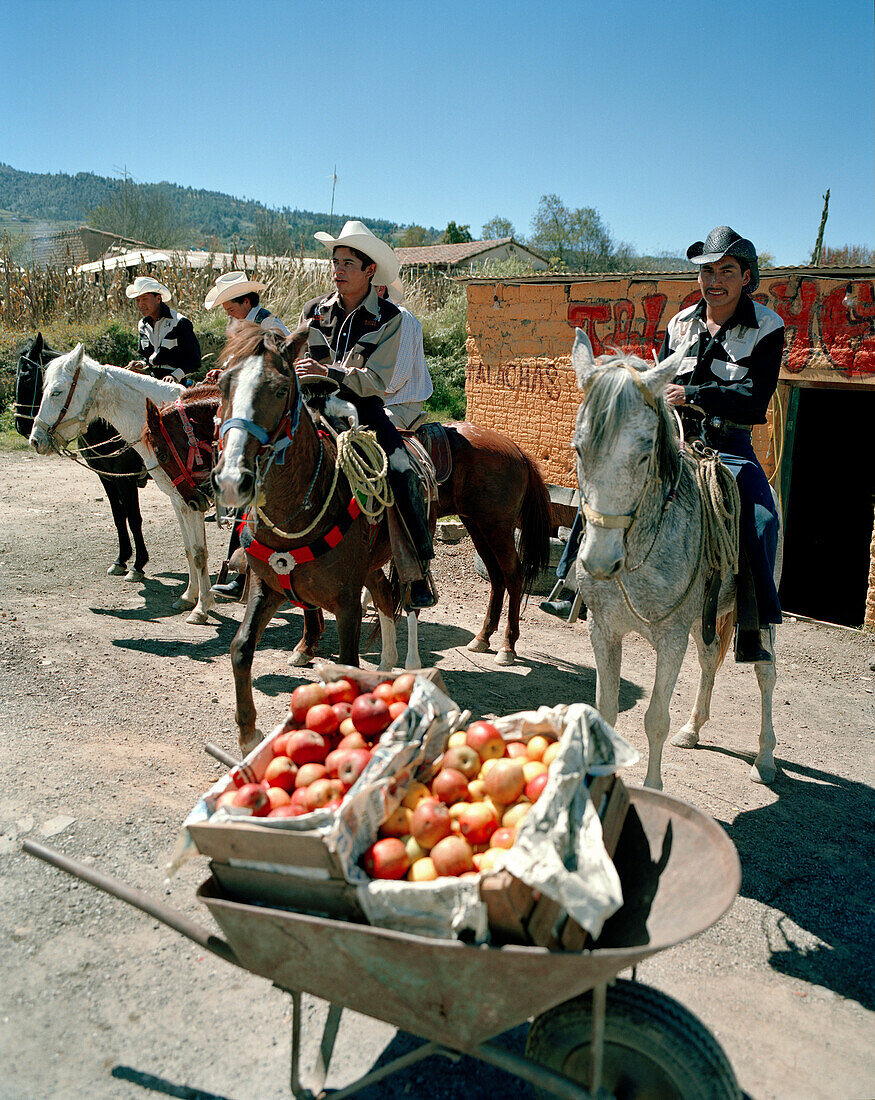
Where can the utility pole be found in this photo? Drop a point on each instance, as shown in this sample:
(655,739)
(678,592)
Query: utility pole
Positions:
(818,247)
(331,212)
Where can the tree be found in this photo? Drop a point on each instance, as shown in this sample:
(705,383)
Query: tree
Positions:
(272,236)
(457,234)
(575,238)
(496,228)
(414,236)
(849,255)
(143,213)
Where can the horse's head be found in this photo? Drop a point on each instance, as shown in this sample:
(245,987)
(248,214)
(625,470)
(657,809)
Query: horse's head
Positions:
(68,386)
(261,406)
(626,444)
(181,435)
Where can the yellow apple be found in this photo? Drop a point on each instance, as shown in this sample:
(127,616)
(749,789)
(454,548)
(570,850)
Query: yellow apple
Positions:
(422,870)
(534,767)
(514,814)
(550,753)
(536,747)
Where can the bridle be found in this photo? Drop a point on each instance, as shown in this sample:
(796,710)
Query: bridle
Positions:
(50,430)
(194,457)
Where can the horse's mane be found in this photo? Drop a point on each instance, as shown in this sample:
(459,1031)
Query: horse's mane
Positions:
(246,339)
(611,396)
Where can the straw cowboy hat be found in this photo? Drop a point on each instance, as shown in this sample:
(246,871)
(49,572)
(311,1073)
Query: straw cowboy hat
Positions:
(724,241)
(395,292)
(233,284)
(145,284)
(357,235)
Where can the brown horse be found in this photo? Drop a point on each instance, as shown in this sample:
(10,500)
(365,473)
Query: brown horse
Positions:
(493,486)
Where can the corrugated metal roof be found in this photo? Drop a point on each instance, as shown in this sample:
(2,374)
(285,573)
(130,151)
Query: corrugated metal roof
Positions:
(451,254)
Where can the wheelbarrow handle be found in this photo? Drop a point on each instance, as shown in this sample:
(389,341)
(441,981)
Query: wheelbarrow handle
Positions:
(173,919)
(219,754)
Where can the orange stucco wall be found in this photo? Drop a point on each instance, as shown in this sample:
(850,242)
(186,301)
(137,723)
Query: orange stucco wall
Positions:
(519,378)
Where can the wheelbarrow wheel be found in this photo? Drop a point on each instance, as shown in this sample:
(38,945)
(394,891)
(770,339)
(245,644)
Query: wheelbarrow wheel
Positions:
(654,1049)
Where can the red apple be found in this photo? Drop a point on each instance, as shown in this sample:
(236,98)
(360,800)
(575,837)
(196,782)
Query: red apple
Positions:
(333,761)
(402,686)
(535,786)
(288,810)
(385,692)
(253,797)
(516,749)
(370,715)
(450,785)
(352,740)
(281,772)
(306,747)
(464,759)
(279,743)
(298,802)
(352,767)
(397,708)
(452,856)
(309,773)
(503,837)
(224,800)
(386,858)
(277,797)
(322,719)
(430,822)
(341,691)
(320,792)
(342,710)
(485,739)
(305,696)
(478,822)
(505,781)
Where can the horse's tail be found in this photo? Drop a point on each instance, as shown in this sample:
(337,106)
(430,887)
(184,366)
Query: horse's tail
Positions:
(535,525)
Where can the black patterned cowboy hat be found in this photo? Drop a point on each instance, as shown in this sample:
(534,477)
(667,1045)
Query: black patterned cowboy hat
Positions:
(724,241)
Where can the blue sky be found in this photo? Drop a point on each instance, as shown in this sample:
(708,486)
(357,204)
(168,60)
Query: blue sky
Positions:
(668,118)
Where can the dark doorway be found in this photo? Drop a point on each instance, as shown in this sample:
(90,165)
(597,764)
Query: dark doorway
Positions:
(830,507)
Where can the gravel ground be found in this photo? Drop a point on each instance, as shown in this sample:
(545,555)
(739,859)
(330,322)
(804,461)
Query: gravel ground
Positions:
(108,697)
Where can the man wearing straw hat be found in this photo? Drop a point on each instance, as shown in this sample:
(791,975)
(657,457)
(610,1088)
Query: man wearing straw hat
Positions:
(239,296)
(169,349)
(354,339)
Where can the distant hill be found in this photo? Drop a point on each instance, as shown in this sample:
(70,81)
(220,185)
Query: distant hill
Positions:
(34,203)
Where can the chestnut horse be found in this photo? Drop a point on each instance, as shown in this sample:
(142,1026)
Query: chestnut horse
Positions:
(493,486)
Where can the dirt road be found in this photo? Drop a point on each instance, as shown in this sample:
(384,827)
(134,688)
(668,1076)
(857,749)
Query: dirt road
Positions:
(108,697)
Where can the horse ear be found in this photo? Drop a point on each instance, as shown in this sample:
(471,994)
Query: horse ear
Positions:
(37,347)
(658,377)
(582,358)
(295,344)
(77,355)
(152,417)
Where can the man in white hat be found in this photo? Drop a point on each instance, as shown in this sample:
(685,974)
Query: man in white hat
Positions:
(169,349)
(239,296)
(354,339)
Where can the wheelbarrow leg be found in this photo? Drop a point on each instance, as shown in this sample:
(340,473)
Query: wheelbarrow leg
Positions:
(597,1044)
(326,1048)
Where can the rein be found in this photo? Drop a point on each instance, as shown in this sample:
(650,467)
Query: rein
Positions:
(195,447)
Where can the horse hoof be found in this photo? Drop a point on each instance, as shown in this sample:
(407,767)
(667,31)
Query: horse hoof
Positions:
(299,659)
(478,646)
(247,744)
(135,575)
(183,605)
(762,773)
(505,657)
(116,570)
(685,738)
(198,618)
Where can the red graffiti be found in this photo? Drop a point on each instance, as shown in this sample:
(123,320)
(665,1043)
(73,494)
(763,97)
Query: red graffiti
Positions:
(585,315)
(849,344)
(797,322)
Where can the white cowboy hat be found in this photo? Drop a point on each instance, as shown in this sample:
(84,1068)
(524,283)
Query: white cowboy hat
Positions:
(233,284)
(395,292)
(145,284)
(357,235)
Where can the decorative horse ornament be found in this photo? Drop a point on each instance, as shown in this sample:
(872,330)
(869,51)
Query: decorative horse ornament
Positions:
(78,390)
(640,564)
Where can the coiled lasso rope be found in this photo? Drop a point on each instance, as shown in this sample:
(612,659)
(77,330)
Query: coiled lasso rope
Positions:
(365,466)
(721,511)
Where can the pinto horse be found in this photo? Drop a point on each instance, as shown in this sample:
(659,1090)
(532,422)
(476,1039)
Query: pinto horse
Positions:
(120,469)
(492,486)
(78,391)
(641,562)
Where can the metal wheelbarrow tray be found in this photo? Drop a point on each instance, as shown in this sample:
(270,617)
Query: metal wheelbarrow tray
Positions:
(680,873)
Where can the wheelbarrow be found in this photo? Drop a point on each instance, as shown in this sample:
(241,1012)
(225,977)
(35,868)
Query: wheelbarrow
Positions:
(680,873)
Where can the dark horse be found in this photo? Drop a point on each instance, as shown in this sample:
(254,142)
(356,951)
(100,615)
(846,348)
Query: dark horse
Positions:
(119,468)
(492,486)
(275,458)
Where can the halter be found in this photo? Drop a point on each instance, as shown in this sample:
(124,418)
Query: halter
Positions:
(277,443)
(50,430)
(194,457)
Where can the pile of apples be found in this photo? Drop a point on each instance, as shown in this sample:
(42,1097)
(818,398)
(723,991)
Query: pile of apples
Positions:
(459,823)
(332,731)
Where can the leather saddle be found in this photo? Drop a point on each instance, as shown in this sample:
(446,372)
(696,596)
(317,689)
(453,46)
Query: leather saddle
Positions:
(431,440)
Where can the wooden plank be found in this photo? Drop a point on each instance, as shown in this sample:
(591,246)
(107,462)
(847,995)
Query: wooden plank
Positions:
(508,903)
(332,898)
(225,841)
(792,418)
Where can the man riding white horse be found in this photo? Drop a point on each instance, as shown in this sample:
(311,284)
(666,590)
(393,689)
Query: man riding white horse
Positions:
(354,340)
(169,349)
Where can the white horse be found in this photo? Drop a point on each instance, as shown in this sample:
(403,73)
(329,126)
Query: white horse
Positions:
(640,561)
(78,390)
